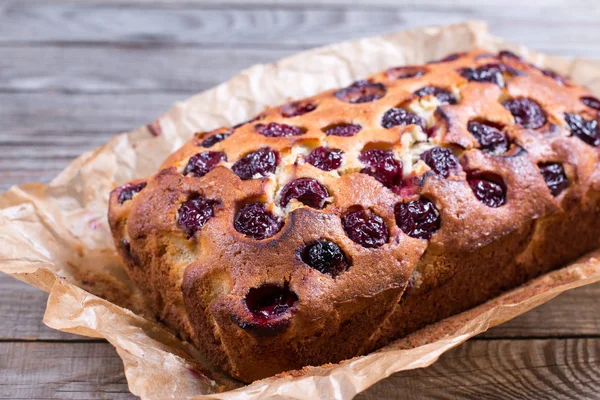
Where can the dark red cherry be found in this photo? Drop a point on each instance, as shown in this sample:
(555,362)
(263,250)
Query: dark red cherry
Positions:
(441,160)
(591,102)
(361,92)
(365,228)
(490,137)
(269,300)
(491,73)
(325,158)
(555,177)
(443,95)
(587,130)
(345,130)
(419,218)
(527,112)
(381,165)
(400,116)
(405,72)
(273,129)
(490,193)
(202,163)
(508,54)
(260,162)
(326,257)
(256,222)
(557,77)
(194,213)
(297,108)
(448,58)
(127,191)
(308,191)
(214,139)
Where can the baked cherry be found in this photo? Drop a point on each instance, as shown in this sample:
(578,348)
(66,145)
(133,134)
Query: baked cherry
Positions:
(127,191)
(381,165)
(591,101)
(256,222)
(326,257)
(491,73)
(345,130)
(297,108)
(214,139)
(489,192)
(325,158)
(441,160)
(587,130)
(308,191)
(555,177)
(202,163)
(365,228)
(400,116)
(269,300)
(273,129)
(405,72)
(557,77)
(508,54)
(443,95)
(419,218)
(260,162)
(361,92)
(490,137)
(527,112)
(194,213)
(257,118)
(448,58)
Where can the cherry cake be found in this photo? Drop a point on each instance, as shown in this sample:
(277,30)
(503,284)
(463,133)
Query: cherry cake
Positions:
(325,228)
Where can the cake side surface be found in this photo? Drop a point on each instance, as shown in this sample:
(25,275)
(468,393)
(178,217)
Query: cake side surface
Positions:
(327,227)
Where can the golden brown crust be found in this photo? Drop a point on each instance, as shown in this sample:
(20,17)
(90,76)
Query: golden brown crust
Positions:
(198,282)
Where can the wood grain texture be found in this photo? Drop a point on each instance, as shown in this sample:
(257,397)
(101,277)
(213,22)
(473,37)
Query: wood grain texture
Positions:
(490,369)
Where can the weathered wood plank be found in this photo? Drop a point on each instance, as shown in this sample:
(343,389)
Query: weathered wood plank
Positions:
(61,371)
(547,29)
(503,369)
(128,69)
(573,314)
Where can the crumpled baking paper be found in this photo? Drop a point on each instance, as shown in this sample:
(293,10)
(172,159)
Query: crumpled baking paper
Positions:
(56,236)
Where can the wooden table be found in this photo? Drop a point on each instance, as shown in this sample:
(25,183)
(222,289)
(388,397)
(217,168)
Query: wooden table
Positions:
(74,74)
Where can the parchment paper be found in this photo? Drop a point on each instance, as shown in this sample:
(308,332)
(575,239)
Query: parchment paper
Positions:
(56,236)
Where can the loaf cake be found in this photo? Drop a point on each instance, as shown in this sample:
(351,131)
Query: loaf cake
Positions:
(327,227)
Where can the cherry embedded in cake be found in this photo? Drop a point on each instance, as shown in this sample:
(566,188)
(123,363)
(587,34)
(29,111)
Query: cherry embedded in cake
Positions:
(326,257)
(214,139)
(405,72)
(273,129)
(308,191)
(527,112)
(361,92)
(325,158)
(448,58)
(555,177)
(490,137)
(256,222)
(127,191)
(441,160)
(383,166)
(587,130)
(489,73)
(259,163)
(202,163)
(194,214)
(489,192)
(269,301)
(365,228)
(591,102)
(297,108)
(400,116)
(344,130)
(561,80)
(418,218)
(444,96)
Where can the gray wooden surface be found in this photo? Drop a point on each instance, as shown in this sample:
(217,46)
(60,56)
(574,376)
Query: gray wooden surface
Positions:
(72,74)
